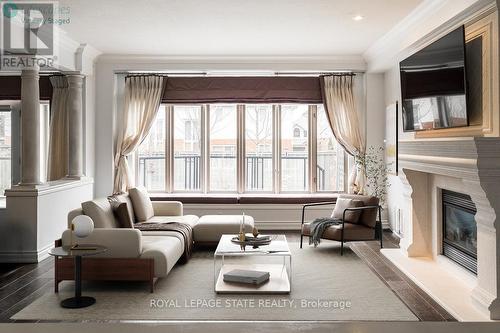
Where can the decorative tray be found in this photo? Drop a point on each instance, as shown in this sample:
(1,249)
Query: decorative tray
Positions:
(250,240)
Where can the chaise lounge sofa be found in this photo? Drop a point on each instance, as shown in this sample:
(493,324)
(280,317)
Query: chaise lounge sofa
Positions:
(134,255)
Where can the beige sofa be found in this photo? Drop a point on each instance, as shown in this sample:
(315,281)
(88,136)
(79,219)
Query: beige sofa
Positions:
(131,254)
(139,255)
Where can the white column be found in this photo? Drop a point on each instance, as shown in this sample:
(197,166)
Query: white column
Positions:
(30,127)
(75,114)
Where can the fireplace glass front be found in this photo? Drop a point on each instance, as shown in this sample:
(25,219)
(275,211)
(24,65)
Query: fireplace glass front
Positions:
(459,229)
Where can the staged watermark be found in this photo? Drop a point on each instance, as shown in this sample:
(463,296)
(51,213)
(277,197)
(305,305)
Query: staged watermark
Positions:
(28,35)
(249,303)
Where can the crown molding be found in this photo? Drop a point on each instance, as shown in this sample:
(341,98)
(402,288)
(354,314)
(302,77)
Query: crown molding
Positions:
(85,58)
(429,21)
(73,55)
(208,62)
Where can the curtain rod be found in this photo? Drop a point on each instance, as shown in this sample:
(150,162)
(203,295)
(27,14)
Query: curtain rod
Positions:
(207,74)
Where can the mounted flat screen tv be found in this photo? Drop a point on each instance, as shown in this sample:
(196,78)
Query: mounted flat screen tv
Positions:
(433,85)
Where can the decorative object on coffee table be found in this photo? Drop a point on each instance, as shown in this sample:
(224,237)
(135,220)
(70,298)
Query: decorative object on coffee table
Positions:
(253,241)
(241,234)
(255,232)
(77,253)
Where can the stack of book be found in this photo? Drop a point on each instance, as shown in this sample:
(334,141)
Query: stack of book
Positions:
(246,276)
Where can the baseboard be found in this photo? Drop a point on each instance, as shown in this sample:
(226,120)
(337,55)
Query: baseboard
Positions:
(386,225)
(277,225)
(284,225)
(25,257)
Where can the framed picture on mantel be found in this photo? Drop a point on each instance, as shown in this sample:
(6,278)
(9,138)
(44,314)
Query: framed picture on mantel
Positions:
(391,137)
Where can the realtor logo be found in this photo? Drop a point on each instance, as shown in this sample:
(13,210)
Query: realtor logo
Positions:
(27,28)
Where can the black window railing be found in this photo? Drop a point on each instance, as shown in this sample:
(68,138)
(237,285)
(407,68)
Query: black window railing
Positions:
(256,166)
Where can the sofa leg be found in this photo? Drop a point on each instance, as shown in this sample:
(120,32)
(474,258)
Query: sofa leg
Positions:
(301,237)
(56,286)
(341,248)
(152,285)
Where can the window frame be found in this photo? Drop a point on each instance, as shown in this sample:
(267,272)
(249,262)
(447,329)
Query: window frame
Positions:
(310,151)
(206,137)
(273,147)
(241,176)
(170,151)
(8,109)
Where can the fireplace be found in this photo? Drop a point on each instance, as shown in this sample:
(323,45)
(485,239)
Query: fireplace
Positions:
(459,229)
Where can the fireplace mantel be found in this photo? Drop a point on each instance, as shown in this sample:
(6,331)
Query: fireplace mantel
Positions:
(473,165)
(447,157)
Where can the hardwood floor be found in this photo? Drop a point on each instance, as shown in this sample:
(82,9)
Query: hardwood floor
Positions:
(22,284)
(421,304)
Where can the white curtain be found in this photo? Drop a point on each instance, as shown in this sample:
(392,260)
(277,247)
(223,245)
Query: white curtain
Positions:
(57,164)
(142,100)
(341,112)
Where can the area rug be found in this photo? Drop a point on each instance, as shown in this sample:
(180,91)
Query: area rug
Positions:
(325,286)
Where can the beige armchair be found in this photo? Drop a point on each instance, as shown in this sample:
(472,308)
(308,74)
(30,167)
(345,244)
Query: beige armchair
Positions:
(368,226)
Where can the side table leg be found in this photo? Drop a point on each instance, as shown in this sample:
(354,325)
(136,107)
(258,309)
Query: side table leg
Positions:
(78,278)
(78,301)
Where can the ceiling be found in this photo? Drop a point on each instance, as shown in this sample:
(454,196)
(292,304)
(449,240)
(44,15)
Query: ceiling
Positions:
(233,27)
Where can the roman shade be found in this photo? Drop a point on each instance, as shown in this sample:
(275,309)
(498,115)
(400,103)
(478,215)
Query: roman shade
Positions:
(242,90)
(11,88)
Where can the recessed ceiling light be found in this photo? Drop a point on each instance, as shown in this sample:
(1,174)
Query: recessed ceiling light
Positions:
(357,17)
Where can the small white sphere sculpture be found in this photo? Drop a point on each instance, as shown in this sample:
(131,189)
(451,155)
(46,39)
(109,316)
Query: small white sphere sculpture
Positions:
(82,226)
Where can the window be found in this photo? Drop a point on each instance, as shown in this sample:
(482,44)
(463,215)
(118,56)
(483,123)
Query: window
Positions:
(10,143)
(330,156)
(294,148)
(223,142)
(259,147)
(5,151)
(187,148)
(151,155)
(241,148)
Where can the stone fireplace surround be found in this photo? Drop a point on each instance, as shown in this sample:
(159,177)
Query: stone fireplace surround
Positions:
(465,165)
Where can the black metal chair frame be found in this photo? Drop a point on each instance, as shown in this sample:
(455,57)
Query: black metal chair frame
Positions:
(378,224)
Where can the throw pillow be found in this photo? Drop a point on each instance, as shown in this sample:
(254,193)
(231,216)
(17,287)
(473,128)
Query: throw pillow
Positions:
(123,198)
(122,215)
(350,216)
(143,207)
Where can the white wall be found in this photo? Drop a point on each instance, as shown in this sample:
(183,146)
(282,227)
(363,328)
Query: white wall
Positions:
(375,109)
(35,218)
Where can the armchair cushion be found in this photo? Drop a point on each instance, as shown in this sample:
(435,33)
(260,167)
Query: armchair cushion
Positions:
(143,207)
(352,232)
(350,216)
(368,216)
